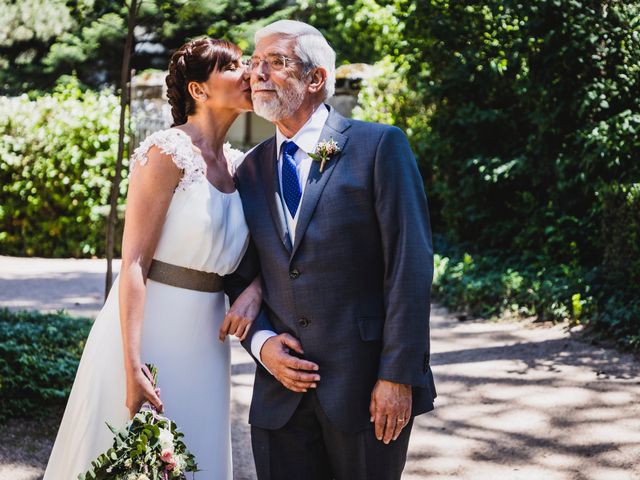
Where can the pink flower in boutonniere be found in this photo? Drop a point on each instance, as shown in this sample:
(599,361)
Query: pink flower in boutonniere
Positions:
(324,150)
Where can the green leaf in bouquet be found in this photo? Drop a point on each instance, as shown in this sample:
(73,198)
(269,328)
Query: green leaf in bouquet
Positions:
(154,373)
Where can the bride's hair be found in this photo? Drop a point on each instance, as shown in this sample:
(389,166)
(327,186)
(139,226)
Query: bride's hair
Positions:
(193,62)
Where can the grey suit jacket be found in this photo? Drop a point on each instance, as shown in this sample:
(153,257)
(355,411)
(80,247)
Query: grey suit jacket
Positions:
(355,286)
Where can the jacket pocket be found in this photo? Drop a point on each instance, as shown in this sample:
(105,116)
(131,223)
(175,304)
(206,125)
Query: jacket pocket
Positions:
(371,327)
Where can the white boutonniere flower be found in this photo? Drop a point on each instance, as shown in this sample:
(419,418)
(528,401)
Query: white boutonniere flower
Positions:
(324,150)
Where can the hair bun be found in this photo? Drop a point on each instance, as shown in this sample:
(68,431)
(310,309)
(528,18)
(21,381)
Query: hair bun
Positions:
(193,62)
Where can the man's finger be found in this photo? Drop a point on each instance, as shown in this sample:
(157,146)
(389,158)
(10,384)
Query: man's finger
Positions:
(400,423)
(372,409)
(380,422)
(292,343)
(389,429)
(293,386)
(296,363)
(300,376)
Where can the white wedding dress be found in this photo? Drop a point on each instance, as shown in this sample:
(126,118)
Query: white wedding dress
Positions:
(204,230)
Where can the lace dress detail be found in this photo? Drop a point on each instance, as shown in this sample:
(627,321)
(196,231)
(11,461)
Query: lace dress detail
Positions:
(178,145)
(234,157)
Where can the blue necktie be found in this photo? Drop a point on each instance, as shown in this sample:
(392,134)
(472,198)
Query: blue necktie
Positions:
(290,183)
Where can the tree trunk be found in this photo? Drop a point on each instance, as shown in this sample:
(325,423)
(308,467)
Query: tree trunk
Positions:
(124,102)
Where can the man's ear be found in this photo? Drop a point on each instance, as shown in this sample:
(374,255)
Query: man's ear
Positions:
(197,91)
(318,78)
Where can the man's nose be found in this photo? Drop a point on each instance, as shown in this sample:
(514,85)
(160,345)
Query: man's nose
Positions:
(262,71)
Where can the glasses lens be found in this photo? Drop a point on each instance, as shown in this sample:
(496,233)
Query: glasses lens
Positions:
(277,62)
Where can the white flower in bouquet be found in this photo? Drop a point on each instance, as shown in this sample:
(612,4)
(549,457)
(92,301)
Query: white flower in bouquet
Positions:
(166,440)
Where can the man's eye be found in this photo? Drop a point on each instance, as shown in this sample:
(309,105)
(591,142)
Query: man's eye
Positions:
(277,62)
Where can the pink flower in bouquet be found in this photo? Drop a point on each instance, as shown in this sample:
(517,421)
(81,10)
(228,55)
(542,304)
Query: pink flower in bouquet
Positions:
(167,456)
(171,464)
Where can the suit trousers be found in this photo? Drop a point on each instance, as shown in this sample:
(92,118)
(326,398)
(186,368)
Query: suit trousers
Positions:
(309,447)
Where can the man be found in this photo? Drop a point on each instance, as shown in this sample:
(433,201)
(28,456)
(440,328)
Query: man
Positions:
(344,247)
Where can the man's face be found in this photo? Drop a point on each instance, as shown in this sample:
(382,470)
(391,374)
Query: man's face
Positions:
(277,88)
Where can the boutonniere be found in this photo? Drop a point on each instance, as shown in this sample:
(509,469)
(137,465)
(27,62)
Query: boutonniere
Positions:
(324,150)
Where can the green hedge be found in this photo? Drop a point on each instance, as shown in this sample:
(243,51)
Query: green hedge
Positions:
(523,116)
(490,286)
(39,356)
(57,156)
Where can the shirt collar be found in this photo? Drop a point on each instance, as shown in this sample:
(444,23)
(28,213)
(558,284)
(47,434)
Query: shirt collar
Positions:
(309,135)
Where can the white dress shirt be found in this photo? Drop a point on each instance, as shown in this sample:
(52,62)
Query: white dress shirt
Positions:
(306,139)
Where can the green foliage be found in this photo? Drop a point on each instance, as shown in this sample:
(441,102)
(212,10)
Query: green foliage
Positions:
(39,356)
(377,26)
(621,235)
(57,156)
(488,286)
(43,39)
(524,117)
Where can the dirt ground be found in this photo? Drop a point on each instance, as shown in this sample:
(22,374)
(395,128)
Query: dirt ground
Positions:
(517,400)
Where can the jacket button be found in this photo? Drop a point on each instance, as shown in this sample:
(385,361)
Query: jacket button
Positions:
(303,322)
(293,274)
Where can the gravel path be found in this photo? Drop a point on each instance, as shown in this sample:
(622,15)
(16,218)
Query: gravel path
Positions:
(517,400)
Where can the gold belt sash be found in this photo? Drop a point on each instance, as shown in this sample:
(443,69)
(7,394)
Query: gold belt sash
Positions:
(183,277)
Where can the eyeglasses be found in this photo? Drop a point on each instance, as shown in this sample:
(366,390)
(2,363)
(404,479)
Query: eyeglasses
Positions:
(276,62)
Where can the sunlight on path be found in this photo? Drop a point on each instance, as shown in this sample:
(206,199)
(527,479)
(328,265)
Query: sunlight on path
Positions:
(516,400)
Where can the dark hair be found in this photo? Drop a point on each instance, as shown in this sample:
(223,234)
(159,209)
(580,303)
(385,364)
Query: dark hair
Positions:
(193,62)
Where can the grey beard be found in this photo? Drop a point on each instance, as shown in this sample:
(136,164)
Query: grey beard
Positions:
(284,105)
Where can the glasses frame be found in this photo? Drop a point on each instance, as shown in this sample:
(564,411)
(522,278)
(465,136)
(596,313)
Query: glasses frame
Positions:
(286,62)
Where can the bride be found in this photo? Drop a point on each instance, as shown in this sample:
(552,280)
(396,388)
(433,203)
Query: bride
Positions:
(184,230)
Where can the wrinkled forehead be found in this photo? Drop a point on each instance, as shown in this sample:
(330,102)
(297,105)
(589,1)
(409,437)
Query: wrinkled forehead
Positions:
(278,44)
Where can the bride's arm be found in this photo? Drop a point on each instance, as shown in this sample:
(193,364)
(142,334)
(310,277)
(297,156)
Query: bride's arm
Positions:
(151,188)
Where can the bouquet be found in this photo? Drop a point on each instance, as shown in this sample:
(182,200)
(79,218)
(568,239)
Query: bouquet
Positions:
(149,447)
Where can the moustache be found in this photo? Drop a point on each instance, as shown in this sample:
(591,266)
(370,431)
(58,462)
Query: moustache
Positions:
(264,86)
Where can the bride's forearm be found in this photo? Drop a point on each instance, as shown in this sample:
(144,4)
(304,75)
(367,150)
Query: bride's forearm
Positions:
(255,288)
(132,299)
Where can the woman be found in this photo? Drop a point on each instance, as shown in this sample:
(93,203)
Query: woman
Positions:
(184,228)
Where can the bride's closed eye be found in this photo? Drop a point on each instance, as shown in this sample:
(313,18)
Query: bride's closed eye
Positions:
(233,66)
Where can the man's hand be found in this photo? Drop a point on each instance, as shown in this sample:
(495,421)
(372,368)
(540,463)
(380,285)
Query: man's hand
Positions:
(292,372)
(390,409)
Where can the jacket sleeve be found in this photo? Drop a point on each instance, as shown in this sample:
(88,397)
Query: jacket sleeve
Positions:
(403,216)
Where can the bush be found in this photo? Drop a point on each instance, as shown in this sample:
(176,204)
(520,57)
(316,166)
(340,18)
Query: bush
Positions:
(58,155)
(621,234)
(39,356)
(521,114)
(489,286)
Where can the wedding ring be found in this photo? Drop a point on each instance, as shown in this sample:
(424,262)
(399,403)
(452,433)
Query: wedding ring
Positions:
(401,420)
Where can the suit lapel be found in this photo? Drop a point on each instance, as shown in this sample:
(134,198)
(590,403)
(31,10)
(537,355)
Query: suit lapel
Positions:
(271,186)
(334,127)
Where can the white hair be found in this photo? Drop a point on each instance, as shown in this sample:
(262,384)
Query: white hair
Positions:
(312,48)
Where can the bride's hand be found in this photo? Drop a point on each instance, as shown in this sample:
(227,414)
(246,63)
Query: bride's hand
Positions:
(243,312)
(140,389)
